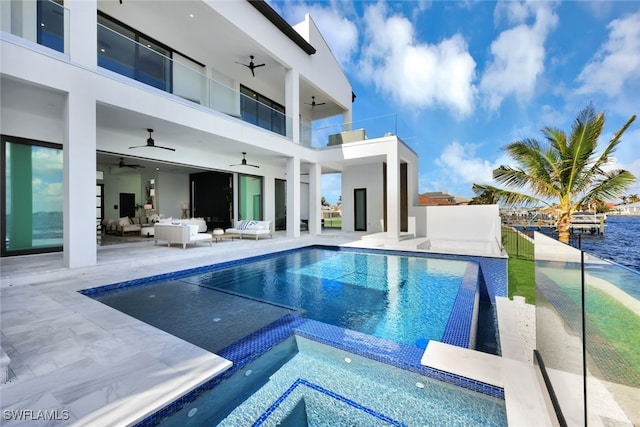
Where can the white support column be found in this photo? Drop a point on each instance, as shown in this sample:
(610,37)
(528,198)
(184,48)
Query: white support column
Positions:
(315,190)
(347,120)
(292,103)
(269,208)
(83,32)
(393,192)
(293,197)
(79,159)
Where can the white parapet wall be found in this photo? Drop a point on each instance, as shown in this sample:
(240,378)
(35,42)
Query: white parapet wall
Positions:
(550,249)
(465,229)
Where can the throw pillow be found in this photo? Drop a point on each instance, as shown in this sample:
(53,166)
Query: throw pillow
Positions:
(245,224)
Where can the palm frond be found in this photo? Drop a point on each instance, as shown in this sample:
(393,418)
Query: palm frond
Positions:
(609,186)
(509,198)
(613,144)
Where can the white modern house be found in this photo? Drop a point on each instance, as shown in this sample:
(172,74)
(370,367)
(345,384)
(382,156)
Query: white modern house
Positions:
(125,108)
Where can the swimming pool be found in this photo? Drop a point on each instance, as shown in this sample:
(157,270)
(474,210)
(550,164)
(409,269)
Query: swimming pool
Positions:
(301,382)
(407,299)
(372,303)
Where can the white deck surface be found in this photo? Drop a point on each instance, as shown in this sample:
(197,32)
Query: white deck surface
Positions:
(76,356)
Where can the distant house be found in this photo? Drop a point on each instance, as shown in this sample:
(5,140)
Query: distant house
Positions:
(424,200)
(628,209)
(440,198)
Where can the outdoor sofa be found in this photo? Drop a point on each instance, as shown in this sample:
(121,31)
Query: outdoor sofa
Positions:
(179,233)
(251,228)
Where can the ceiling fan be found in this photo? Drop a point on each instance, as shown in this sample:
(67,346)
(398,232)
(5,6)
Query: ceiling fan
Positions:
(252,66)
(314,103)
(151,143)
(122,164)
(244,162)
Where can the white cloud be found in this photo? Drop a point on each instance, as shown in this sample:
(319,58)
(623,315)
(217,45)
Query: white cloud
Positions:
(340,33)
(460,164)
(617,61)
(518,53)
(415,74)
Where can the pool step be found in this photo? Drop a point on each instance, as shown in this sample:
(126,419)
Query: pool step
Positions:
(517,378)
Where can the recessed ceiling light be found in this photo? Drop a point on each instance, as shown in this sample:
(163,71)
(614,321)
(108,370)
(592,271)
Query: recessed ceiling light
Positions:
(191,15)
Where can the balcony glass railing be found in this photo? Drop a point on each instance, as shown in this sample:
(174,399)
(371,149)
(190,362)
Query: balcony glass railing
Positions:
(44,22)
(140,62)
(332,131)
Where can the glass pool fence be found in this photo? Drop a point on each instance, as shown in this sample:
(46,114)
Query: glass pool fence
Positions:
(587,334)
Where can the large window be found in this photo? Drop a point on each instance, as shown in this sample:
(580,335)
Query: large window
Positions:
(262,111)
(250,197)
(32,194)
(126,51)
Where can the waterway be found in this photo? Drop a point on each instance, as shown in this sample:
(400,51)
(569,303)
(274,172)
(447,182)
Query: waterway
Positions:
(619,243)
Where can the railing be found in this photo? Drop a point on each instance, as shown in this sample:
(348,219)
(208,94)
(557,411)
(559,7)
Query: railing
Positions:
(44,22)
(518,243)
(333,131)
(587,334)
(129,58)
(331,219)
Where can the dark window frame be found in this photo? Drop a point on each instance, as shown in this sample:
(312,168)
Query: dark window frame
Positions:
(277,123)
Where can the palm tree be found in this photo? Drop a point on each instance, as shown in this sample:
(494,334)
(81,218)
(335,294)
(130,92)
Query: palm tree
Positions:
(484,196)
(563,171)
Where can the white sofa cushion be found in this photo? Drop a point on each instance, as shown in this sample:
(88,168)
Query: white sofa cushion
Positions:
(246,224)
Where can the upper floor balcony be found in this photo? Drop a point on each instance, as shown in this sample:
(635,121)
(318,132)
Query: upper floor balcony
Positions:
(164,56)
(202,60)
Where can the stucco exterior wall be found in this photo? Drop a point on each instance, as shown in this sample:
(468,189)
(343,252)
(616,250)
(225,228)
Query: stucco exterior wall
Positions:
(368,177)
(463,223)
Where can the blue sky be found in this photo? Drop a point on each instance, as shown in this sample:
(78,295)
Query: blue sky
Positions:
(466,78)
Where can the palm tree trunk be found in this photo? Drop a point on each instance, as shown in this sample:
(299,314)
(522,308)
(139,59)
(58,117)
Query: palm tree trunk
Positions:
(564,224)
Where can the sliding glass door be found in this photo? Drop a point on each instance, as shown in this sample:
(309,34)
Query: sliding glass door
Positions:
(32,196)
(250,197)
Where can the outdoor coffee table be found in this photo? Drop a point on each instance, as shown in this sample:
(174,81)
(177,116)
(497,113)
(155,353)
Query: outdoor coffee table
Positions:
(218,233)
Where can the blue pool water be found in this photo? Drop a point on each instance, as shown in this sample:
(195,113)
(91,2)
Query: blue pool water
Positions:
(405,299)
(400,298)
(300,382)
